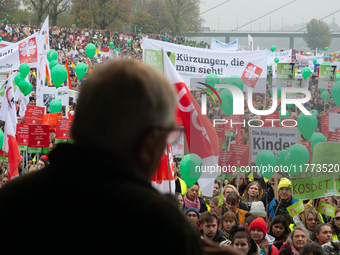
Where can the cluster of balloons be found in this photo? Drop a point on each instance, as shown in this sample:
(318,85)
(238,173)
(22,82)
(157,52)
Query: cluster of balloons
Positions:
(6,19)
(190,168)
(24,86)
(58,72)
(292,160)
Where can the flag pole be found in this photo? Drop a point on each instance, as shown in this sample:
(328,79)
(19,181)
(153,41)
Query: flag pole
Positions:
(167,146)
(3,165)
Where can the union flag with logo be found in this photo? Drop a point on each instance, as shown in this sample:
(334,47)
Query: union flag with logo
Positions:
(251,75)
(28,52)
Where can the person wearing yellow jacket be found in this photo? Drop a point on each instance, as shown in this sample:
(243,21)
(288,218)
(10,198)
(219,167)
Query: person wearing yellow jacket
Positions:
(335,226)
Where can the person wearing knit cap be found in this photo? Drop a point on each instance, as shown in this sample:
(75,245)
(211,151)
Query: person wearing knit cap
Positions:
(285,200)
(258,209)
(258,231)
(194,215)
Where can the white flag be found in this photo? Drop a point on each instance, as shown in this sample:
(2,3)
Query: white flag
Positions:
(250,43)
(8,104)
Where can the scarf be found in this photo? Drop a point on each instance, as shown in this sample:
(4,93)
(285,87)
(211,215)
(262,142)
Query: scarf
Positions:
(283,205)
(188,203)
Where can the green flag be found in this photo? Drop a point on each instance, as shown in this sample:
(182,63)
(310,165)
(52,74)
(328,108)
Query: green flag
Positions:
(326,209)
(296,209)
(220,200)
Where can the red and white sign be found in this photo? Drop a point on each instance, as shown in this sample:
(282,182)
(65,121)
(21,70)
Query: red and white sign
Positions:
(34,115)
(239,137)
(28,52)
(38,136)
(226,159)
(241,154)
(63,129)
(22,134)
(251,75)
(267,119)
(307,144)
(334,136)
(234,122)
(324,124)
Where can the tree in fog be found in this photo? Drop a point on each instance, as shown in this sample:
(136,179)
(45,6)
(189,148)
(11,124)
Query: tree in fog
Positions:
(318,34)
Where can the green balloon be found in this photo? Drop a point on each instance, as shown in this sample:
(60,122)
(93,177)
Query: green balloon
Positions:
(114,51)
(273,48)
(337,77)
(189,168)
(296,158)
(276,60)
(58,75)
(52,55)
(90,50)
(23,85)
(281,158)
(236,81)
(266,159)
(28,90)
(52,64)
(55,106)
(336,93)
(323,96)
(315,139)
(212,79)
(24,69)
(326,48)
(0,38)
(1,139)
(289,105)
(314,61)
(307,125)
(306,72)
(314,112)
(227,102)
(128,41)
(81,70)
(17,79)
(111,44)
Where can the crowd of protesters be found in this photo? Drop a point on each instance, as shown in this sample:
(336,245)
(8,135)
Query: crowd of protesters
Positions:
(251,219)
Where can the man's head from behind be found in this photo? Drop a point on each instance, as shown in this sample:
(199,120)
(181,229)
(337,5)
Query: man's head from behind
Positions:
(139,133)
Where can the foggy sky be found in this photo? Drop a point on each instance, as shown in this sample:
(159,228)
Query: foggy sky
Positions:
(295,13)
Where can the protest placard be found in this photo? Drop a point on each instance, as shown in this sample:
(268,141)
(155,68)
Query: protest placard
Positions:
(327,76)
(38,137)
(196,62)
(22,136)
(272,139)
(241,154)
(34,115)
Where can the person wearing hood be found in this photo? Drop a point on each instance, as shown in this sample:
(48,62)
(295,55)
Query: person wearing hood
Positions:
(296,240)
(210,230)
(258,231)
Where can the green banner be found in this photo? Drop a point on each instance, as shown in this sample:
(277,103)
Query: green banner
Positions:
(296,208)
(285,74)
(34,149)
(327,76)
(326,209)
(22,147)
(154,58)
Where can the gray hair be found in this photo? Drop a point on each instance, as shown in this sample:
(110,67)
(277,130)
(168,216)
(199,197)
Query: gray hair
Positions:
(120,101)
(290,237)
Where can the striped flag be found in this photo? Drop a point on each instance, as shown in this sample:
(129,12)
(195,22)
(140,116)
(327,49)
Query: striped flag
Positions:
(26,32)
(68,76)
(48,80)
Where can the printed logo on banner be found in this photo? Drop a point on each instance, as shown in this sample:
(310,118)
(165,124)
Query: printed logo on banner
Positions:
(28,51)
(251,75)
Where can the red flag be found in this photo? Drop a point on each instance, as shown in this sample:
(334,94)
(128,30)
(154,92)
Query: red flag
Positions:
(160,180)
(88,62)
(68,76)
(200,134)
(11,147)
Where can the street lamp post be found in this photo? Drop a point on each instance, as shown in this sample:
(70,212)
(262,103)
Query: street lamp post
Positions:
(135,28)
